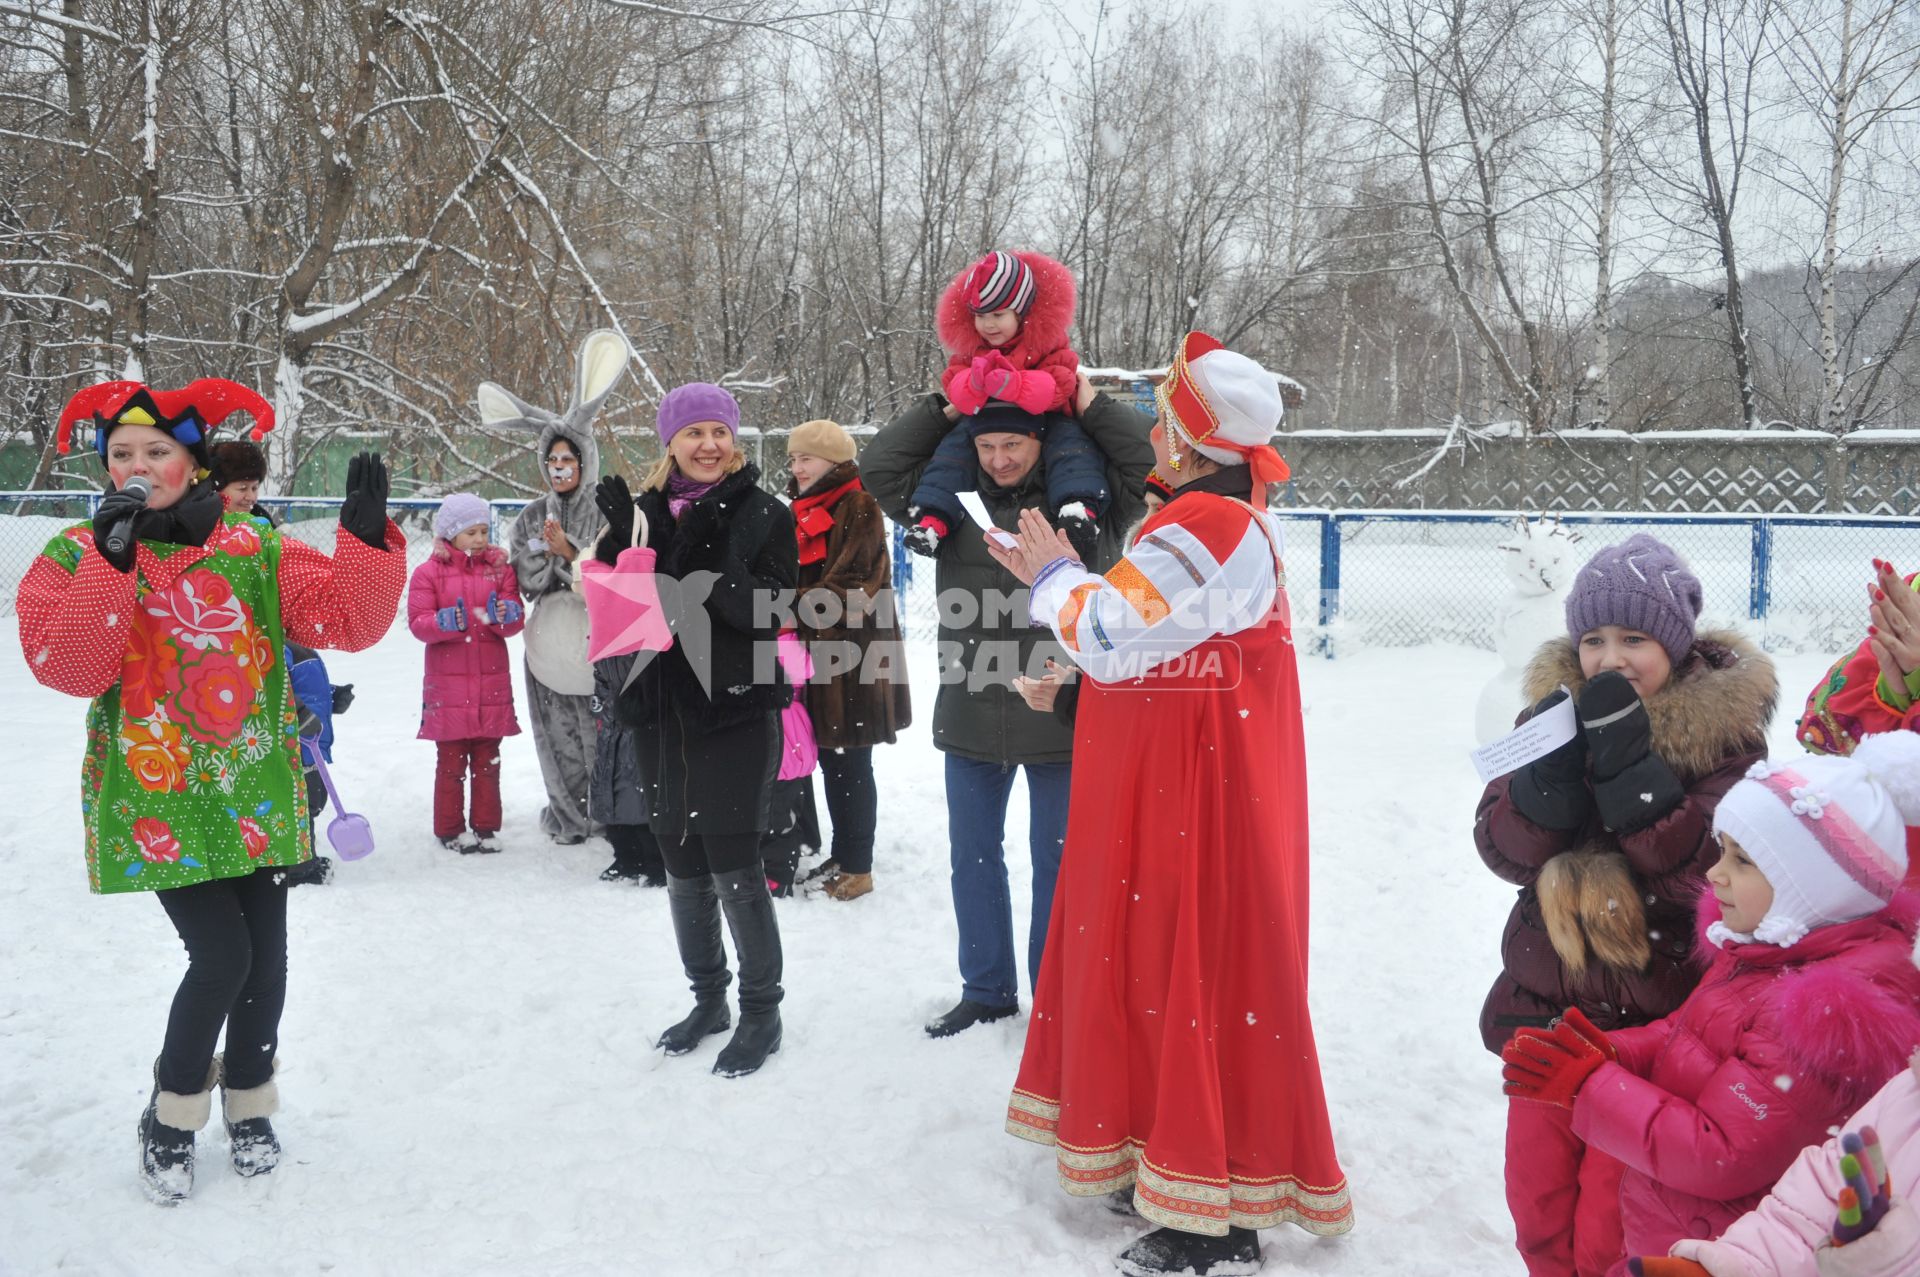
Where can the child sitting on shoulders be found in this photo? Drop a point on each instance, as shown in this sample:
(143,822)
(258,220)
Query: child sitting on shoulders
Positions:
(1004,322)
(1809,1004)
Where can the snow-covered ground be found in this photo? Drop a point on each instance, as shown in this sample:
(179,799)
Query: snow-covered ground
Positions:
(467,1081)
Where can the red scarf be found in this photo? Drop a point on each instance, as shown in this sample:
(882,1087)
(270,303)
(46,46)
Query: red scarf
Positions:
(813,519)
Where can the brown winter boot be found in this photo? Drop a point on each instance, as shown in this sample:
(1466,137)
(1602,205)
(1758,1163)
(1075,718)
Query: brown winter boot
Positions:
(844,886)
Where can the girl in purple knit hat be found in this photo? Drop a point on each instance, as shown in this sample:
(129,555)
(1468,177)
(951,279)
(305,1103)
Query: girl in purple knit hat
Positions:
(705,714)
(1608,839)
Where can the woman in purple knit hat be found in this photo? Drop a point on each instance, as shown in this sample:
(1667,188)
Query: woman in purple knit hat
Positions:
(1608,839)
(705,714)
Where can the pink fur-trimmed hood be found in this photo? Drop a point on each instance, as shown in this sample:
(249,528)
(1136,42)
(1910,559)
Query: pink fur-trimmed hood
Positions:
(489,555)
(1046,325)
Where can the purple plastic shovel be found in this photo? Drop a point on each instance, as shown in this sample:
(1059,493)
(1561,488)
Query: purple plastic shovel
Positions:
(349,832)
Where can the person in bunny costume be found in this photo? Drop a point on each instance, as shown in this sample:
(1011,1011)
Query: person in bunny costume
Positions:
(547,540)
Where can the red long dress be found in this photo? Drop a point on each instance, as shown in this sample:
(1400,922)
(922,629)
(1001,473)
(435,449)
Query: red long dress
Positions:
(1170,1045)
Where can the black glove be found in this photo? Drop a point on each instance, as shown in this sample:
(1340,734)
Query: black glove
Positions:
(1552,790)
(614,500)
(1632,786)
(343,698)
(113,508)
(365,511)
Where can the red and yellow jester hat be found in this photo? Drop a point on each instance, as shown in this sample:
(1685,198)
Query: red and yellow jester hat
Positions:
(1224,402)
(188,414)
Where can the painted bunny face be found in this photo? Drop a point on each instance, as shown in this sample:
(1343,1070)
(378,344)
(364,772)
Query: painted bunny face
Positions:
(563,467)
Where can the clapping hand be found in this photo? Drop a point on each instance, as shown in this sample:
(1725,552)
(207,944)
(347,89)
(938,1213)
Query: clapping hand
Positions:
(614,500)
(1040,693)
(556,538)
(1893,629)
(1036,544)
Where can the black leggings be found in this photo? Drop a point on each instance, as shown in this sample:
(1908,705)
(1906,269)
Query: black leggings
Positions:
(235,930)
(853,802)
(704,854)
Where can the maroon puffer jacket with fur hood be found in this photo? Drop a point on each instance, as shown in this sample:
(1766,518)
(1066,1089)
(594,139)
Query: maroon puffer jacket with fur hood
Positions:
(1048,368)
(1604,922)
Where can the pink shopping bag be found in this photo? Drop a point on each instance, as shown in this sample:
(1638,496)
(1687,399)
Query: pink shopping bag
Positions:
(800,753)
(623,601)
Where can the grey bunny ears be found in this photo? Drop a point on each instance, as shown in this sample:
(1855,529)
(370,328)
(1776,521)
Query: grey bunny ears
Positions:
(603,358)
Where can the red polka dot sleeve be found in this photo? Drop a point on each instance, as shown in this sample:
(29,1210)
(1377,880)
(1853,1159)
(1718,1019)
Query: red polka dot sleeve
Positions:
(346,602)
(74,622)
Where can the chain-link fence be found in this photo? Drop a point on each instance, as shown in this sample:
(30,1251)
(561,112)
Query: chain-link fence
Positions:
(1355,577)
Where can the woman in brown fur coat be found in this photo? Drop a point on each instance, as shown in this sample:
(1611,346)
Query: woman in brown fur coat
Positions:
(1608,839)
(845,611)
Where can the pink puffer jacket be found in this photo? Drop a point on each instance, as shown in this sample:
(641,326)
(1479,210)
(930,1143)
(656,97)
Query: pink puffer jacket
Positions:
(1783,1236)
(1709,1106)
(469,689)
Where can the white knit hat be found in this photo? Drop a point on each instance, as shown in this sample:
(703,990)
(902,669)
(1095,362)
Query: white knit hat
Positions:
(1225,405)
(1830,833)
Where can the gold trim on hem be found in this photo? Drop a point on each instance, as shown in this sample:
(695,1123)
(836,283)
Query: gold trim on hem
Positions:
(1195,1205)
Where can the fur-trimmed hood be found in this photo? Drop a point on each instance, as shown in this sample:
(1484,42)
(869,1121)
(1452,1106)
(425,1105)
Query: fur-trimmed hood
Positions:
(488,555)
(1837,1014)
(1045,327)
(1717,704)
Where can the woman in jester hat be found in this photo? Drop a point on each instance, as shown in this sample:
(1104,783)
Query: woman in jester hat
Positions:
(191,785)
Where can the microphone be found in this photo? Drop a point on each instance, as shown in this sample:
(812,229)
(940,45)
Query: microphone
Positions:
(120,535)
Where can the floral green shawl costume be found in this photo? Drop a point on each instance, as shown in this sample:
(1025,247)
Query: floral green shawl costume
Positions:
(192,770)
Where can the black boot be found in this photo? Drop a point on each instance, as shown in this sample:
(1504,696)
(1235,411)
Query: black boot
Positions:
(965,1014)
(1169,1250)
(251,1143)
(166,1140)
(756,940)
(696,929)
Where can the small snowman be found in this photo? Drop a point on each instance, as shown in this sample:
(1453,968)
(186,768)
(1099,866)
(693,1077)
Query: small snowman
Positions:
(1540,564)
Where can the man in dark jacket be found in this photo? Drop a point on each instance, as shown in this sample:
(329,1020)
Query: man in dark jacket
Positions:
(979,721)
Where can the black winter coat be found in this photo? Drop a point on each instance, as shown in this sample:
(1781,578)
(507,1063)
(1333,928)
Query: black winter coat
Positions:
(616,795)
(977,714)
(708,750)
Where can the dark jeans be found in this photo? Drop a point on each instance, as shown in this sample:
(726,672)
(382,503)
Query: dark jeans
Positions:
(853,803)
(710,854)
(982,905)
(235,931)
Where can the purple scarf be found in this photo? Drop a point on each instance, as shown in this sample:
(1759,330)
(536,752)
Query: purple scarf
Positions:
(683,492)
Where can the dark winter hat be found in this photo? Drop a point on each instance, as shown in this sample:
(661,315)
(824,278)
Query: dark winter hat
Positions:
(237,461)
(1640,584)
(695,401)
(999,281)
(998,418)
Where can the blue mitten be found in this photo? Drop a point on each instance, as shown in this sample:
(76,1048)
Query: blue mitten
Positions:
(452,618)
(502,611)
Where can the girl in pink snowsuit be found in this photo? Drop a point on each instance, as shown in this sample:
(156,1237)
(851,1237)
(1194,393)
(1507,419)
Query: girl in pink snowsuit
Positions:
(1809,1004)
(464,604)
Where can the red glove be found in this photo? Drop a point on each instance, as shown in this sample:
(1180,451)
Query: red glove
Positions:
(1577,1019)
(1549,1068)
(1661,1266)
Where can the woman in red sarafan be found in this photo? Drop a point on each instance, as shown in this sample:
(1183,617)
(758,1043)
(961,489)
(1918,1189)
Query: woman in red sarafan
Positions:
(1170,1048)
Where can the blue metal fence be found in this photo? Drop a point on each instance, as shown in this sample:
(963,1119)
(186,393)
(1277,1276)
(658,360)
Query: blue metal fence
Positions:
(1385,577)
